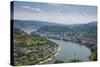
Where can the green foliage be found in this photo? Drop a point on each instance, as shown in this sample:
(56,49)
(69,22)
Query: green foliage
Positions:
(75,60)
(54,28)
(23,39)
(22,24)
(58,61)
(30,49)
(93,56)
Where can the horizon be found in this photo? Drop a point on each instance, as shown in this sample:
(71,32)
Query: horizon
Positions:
(54,13)
(58,23)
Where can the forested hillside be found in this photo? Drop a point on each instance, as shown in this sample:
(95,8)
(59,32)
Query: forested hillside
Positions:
(31,49)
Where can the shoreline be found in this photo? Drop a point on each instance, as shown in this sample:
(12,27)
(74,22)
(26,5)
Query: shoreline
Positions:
(50,57)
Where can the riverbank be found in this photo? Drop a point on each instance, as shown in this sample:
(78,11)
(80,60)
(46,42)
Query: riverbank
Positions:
(92,47)
(58,49)
(83,44)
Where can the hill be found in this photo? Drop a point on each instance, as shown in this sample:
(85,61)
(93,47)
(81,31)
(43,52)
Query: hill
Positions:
(29,26)
(90,27)
(27,48)
(54,28)
(43,26)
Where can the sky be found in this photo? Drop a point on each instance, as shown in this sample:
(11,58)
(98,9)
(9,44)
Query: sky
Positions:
(54,13)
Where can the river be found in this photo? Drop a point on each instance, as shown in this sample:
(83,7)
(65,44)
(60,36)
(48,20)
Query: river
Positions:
(69,51)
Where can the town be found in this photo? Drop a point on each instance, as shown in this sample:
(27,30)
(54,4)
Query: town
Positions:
(85,38)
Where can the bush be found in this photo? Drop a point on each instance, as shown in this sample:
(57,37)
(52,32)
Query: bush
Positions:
(59,61)
(75,60)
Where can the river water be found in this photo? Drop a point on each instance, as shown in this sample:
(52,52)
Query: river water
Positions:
(69,51)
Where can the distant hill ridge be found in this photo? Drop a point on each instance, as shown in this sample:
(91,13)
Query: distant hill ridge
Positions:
(29,26)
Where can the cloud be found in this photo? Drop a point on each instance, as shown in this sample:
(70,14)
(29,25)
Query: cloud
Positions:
(27,7)
(58,17)
(58,13)
(31,8)
(54,4)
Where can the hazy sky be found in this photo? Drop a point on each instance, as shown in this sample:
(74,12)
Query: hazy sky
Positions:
(51,12)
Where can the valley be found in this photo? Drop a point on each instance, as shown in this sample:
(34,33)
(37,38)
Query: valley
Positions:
(28,44)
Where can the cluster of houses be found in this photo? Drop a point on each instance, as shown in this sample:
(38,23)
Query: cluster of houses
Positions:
(85,38)
(35,53)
